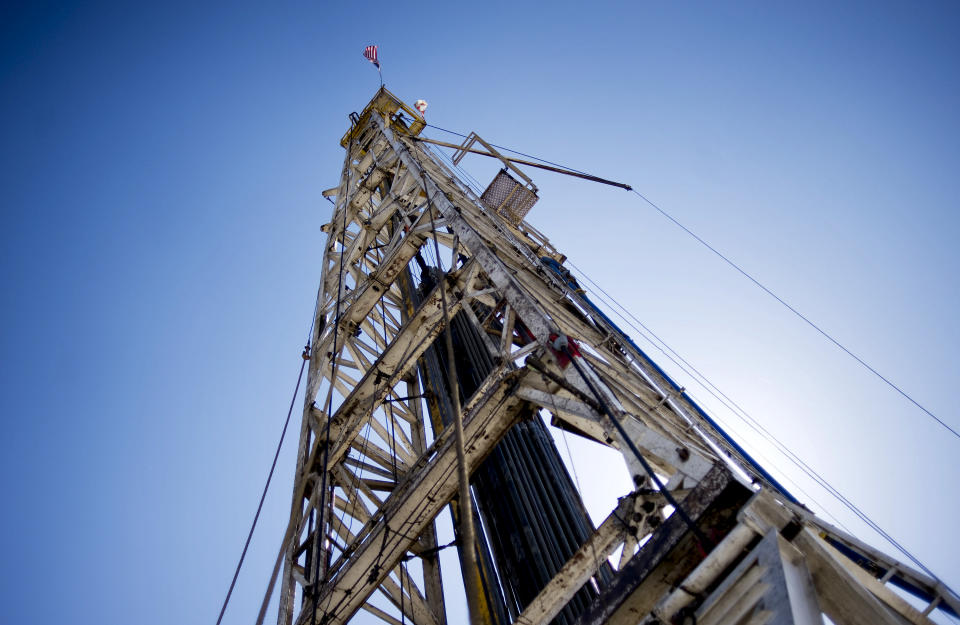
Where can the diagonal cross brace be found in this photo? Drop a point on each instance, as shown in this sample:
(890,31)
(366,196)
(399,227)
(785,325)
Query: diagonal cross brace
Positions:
(419,497)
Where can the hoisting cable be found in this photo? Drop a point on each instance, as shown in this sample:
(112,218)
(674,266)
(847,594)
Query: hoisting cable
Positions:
(263,496)
(768,436)
(467,532)
(688,368)
(576,480)
(739,269)
(698,533)
(797,313)
(276,567)
(730,446)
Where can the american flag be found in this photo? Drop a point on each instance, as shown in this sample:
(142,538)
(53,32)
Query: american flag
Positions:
(370,53)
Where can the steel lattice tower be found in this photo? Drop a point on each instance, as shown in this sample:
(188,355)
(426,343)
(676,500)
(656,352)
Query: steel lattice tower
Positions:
(413,256)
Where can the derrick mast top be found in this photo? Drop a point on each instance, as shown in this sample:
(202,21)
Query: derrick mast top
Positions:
(510,195)
(388,106)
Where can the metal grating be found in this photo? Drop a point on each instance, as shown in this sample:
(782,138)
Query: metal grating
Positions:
(508,198)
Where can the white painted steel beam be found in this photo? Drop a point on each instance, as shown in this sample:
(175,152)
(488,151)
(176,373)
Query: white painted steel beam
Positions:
(580,567)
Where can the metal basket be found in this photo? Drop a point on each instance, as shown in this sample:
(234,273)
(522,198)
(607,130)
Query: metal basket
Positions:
(508,198)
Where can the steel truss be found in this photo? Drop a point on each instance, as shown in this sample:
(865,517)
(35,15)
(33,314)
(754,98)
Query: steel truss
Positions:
(374,470)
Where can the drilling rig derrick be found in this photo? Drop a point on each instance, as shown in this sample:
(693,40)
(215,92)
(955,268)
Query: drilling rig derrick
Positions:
(415,257)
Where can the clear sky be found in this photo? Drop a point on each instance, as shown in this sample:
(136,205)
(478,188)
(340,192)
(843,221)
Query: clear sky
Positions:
(161,166)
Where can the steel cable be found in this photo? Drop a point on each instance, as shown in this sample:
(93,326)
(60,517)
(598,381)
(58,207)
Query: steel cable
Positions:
(749,277)
(263,496)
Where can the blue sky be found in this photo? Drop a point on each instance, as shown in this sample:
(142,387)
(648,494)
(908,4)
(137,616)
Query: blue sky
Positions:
(160,174)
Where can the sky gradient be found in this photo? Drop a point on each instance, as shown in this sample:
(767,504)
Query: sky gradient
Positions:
(161,170)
